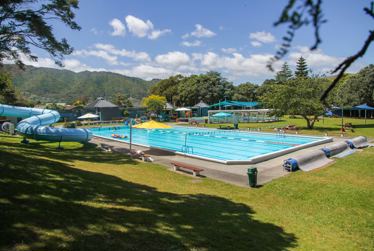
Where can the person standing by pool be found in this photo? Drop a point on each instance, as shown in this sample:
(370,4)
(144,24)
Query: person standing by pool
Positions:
(235,120)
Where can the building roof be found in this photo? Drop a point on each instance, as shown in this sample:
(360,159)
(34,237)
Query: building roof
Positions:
(102,103)
(201,104)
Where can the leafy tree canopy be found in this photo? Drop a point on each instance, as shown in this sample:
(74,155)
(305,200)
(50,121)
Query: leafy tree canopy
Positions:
(355,89)
(245,92)
(168,88)
(7,92)
(187,91)
(154,103)
(299,96)
(24,24)
(122,101)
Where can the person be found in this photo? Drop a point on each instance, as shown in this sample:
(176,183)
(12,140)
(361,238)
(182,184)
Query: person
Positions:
(236,122)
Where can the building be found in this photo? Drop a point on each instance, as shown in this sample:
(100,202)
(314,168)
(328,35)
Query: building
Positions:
(105,109)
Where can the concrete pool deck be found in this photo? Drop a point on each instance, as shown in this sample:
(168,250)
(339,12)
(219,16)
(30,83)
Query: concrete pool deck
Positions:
(234,174)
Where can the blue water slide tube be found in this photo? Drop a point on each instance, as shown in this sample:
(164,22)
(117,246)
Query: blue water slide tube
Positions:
(35,124)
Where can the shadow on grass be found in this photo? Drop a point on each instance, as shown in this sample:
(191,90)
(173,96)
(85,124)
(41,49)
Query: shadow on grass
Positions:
(49,205)
(81,152)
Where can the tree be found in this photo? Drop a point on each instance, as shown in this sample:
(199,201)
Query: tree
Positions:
(245,92)
(168,88)
(356,88)
(302,70)
(24,23)
(298,97)
(122,101)
(7,93)
(284,74)
(210,87)
(154,103)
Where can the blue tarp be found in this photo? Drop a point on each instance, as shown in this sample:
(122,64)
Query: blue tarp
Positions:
(228,103)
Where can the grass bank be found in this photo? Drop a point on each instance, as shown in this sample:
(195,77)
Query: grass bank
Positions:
(82,199)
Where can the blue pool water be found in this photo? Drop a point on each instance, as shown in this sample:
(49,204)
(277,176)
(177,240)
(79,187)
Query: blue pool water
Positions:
(211,143)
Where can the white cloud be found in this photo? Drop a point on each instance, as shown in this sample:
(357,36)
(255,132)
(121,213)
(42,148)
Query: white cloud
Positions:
(316,59)
(158,33)
(199,32)
(97,53)
(261,37)
(194,43)
(256,44)
(141,28)
(174,59)
(118,27)
(228,50)
(77,66)
(138,56)
(147,72)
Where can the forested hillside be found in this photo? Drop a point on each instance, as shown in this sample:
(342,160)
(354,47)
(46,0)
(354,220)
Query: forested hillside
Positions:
(53,85)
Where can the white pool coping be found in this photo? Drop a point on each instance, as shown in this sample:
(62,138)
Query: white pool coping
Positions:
(254,160)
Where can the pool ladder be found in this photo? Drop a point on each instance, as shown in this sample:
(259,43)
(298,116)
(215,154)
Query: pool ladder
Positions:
(187,149)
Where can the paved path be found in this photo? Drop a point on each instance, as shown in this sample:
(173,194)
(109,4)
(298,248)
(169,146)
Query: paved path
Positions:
(234,174)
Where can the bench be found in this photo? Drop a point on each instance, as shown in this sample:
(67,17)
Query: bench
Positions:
(184,166)
(106,148)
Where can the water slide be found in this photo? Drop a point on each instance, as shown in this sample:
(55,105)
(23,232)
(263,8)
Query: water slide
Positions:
(35,124)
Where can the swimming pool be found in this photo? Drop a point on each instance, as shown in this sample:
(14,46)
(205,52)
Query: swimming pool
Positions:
(229,147)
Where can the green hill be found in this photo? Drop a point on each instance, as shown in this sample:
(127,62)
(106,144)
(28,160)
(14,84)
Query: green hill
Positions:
(53,85)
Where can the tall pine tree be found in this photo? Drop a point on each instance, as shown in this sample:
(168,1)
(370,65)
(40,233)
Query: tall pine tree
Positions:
(284,74)
(302,69)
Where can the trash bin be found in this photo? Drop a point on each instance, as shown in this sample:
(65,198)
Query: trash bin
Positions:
(252,176)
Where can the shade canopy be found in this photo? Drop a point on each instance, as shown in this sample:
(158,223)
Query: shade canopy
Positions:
(201,104)
(363,107)
(152,125)
(89,116)
(228,103)
(183,109)
(222,115)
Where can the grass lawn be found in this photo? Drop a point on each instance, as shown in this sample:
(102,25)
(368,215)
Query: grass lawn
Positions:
(82,199)
(331,126)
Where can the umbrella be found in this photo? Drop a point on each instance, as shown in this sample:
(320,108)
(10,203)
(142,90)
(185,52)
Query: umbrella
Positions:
(148,125)
(152,125)
(88,116)
(222,115)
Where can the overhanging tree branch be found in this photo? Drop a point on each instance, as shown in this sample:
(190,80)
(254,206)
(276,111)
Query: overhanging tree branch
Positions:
(343,66)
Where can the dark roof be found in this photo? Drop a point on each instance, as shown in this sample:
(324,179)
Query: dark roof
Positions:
(201,104)
(102,103)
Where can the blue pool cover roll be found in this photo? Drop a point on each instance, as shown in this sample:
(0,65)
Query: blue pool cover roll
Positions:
(290,165)
(327,152)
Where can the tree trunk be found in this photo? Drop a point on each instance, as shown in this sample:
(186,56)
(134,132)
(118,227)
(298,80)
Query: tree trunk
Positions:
(309,122)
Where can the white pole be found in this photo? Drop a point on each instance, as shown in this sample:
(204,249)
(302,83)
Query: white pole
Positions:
(130,135)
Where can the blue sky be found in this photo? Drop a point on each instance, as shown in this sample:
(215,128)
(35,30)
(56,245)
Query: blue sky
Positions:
(156,39)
